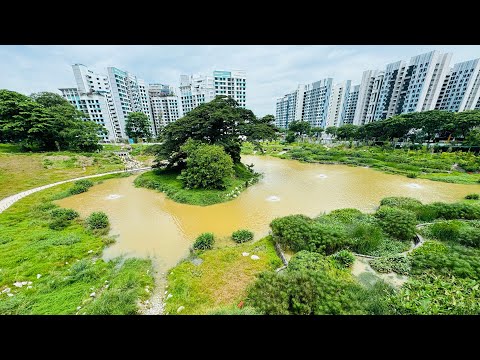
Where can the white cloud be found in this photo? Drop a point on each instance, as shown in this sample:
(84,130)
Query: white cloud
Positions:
(272,70)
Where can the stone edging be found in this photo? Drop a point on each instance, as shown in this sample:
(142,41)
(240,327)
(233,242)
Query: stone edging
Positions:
(10,200)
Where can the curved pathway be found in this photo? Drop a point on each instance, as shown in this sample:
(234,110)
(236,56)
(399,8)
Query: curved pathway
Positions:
(10,200)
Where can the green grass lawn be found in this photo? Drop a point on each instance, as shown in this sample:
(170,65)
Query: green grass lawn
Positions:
(69,262)
(166,181)
(221,280)
(23,171)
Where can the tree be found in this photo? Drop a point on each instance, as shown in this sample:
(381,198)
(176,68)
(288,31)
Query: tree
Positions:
(316,131)
(300,127)
(48,99)
(47,124)
(347,132)
(137,126)
(465,121)
(208,166)
(260,129)
(331,130)
(219,122)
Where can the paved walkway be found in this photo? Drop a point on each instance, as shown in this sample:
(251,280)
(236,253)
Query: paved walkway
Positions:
(9,201)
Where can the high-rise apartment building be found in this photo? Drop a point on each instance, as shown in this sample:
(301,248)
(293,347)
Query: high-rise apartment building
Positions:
(129,95)
(164,105)
(337,104)
(461,87)
(92,96)
(425,76)
(95,107)
(199,89)
(371,81)
(351,104)
(316,98)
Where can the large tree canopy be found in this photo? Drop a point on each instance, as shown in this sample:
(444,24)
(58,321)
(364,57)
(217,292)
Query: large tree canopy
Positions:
(218,122)
(137,126)
(45,121)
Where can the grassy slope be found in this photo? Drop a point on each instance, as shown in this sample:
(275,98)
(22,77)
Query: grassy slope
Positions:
(221,279)
(414,163)
(23,171)
(167,182)
(69,273)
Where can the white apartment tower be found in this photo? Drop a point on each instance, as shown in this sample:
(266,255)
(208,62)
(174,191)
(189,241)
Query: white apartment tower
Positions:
(129,95)
(95,107)
(195,90)
(461,87)
(164,105)
(390,94)
(289,108)
(315,102)
(351,104)
(425,76)
(337,104)
(92,96)
(199,89)
(369,78)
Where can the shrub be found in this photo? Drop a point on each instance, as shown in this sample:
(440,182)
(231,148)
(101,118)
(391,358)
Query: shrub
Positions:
(396,263)
(303,293)
(446,230)
(396,222)
(97,220)
(58,224)
(299,232)
(204,242)
(343,259)
(80,186)
(366,237)
(241,236)
(347,215)
(67,214)
(307,260)
(402,202)
(469,236)
(208,166)
(472,197)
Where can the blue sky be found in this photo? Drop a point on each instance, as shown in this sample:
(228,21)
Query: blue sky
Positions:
(272,70)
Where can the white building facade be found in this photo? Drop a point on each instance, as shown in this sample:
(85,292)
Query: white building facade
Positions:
(351,104)
(164,105)
(461,88)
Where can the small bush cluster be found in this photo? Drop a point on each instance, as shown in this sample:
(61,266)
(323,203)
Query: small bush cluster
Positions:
(397,222)
(80,186)
(241,236)
(61,218)
(204,242)
(343,259)
(472,197)
(97,220)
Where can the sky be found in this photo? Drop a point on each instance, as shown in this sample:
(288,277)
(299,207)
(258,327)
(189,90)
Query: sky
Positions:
(272,70)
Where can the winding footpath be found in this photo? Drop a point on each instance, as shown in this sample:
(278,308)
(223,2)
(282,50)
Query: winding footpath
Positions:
(10,200)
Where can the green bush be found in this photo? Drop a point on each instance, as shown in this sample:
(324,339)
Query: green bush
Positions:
(58,224)
(304,293)
(80,186)
(402,202)
(396,263)
(446,230)
(97,220)
(67,214)
(343,259)
(366,237)
(307,260)
(241,236)
(472,197)
(396,222)
(299,232)
(453,211)
(469,236)
(347,215)
(204,242)
(454,260)
(208,166)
